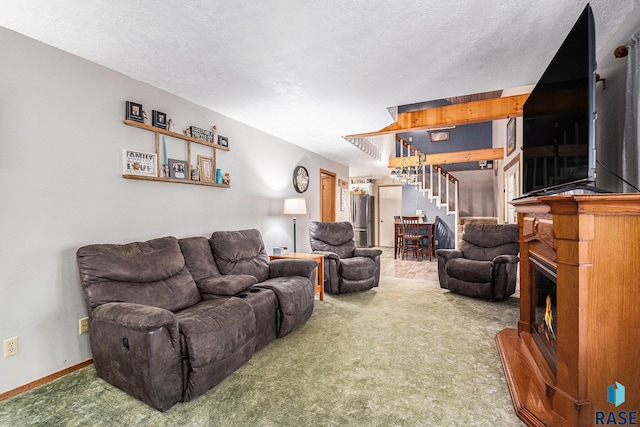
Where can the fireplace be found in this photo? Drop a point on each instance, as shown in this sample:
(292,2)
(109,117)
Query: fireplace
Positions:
(578,332)
(543,310)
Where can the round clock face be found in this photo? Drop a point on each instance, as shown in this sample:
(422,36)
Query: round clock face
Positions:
(300,179)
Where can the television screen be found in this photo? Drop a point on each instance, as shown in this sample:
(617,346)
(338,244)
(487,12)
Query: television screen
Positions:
(559,115)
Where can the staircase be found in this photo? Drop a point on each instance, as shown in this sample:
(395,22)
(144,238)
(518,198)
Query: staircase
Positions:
(441,187)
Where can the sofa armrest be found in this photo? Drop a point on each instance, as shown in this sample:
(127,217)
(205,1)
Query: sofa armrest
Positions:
(226,285)
(137,349)
(328,254)
(443,256)
(367,252)
(286,267)
(447,254)
(137,317)
(508,259)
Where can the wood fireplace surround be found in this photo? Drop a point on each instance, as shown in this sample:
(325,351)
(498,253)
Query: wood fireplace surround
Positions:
(593,242)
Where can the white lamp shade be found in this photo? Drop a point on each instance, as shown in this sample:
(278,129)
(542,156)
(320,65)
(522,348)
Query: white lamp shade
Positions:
(295,206)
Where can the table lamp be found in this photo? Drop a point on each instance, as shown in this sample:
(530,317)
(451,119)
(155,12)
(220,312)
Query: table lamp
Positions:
(295,206)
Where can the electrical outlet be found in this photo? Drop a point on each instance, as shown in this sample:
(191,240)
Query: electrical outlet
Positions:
(10,347)
(83,325)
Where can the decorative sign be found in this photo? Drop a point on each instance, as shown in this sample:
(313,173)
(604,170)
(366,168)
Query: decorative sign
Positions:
(139,163)
(203,134)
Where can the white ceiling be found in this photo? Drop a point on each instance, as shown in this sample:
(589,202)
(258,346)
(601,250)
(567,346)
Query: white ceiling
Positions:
(312,71)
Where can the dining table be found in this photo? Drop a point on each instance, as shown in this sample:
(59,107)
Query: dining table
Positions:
(397,234)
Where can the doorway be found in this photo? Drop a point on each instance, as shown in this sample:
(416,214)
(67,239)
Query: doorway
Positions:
(327,196)
(389,205)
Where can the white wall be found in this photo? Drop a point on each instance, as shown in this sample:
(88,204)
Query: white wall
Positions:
(610,104)
(61,137)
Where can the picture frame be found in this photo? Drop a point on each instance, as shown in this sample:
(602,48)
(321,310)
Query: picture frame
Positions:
(139,163)
(223,141)
(178,169)
(159,119)
(133,112)
(344,195)
(511,135)
(206,168)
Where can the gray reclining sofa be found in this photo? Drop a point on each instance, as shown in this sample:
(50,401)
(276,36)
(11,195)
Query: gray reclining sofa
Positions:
(172,318)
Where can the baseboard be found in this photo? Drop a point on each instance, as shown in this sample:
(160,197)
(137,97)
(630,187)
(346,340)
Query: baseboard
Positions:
(42,381)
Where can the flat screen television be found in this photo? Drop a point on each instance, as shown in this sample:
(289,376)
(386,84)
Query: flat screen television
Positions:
(558,146)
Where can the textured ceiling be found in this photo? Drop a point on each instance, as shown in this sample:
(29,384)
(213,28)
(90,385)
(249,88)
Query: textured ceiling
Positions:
(312,71)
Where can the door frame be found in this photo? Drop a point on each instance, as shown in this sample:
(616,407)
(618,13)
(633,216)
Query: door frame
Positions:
(332,194)
(511,171)
(378,217)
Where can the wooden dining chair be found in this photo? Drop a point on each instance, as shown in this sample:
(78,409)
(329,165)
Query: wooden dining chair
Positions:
(412,238)
(428,230)
(397,224)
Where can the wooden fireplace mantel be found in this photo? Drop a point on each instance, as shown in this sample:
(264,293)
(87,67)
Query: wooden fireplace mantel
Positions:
(593,241)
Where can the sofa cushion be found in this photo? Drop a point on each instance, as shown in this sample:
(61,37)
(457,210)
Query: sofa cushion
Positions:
(470,270)
(227,285)
(486,241)
(240,252)
(357,268)
(198,257)
(336,237)
(150,273)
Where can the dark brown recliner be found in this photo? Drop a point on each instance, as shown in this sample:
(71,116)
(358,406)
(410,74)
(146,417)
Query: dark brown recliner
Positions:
(346,267)
(486,264)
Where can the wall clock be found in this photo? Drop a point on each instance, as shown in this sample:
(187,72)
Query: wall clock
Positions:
(300,179)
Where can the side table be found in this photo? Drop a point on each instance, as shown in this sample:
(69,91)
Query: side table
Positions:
(319,287)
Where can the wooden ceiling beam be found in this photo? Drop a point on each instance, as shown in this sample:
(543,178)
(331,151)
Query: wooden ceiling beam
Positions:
(448,158)
(466,113)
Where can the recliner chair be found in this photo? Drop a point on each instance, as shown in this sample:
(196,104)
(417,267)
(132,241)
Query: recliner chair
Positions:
(486,264)
(347,268)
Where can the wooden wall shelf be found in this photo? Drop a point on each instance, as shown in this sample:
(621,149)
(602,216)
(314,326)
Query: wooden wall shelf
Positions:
(188,140)
(175,135)
(177,181)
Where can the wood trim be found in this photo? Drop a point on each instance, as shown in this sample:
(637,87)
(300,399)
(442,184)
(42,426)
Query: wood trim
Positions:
(448,158)
(45,380)
(513,161)
(485,110)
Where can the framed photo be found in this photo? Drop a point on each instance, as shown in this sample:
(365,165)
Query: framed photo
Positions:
(159,119)
(139,163)
(511,135)
(223,140)
(134,112)
(206,168)
(178,169)
(438,136)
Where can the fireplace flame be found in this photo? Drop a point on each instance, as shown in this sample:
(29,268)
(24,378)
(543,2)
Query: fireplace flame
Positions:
(548,317)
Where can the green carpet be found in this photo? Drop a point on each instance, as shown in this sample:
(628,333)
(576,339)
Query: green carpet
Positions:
(405,354)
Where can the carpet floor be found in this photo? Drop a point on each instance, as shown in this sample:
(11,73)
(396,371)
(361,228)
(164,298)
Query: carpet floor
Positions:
(404,354)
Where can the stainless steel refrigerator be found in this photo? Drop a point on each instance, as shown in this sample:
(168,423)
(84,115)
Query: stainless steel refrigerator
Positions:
(362,219)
